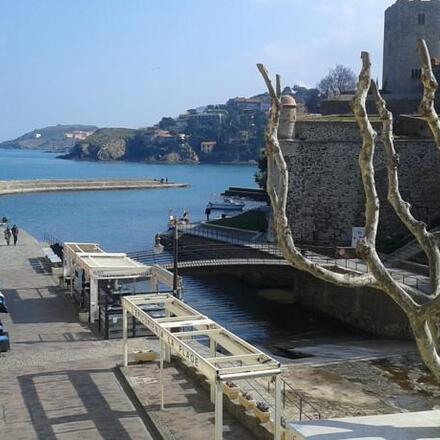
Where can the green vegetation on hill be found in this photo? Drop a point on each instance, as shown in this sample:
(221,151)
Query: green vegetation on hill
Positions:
(130,144)
(52,138)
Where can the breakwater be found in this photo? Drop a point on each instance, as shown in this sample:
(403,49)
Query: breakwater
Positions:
(46,185)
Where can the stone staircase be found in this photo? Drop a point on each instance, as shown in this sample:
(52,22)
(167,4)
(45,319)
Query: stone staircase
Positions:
(408,251)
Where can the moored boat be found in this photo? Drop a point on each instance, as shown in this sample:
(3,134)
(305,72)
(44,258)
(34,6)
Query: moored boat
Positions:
(226,205)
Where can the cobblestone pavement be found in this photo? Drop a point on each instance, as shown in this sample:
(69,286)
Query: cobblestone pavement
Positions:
(57,382)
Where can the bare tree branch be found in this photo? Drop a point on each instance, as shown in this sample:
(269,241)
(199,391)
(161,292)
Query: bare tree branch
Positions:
(367,246)
(422,311)
(277,172)
(430,86)
(402,208)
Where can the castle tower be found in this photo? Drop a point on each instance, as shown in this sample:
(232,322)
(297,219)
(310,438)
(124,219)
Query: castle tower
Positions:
(405,22)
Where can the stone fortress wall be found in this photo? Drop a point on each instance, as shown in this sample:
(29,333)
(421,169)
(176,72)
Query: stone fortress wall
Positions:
(326,197)
(405,22)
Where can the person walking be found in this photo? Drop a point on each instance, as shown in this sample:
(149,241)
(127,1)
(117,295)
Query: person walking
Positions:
(208,213)
(14,231)
(7,235)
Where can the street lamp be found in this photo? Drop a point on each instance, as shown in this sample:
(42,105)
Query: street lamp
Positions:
(158,249)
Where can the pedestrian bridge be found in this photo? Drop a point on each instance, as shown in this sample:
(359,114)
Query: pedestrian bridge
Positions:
(227,262)
(242,253)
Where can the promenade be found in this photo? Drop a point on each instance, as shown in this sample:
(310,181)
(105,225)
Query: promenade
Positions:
(58,381)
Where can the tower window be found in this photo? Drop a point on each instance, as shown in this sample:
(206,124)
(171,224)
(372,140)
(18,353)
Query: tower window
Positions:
(416,73)
(421,19)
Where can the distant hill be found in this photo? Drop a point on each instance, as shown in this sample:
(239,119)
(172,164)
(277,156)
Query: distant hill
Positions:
(56,138)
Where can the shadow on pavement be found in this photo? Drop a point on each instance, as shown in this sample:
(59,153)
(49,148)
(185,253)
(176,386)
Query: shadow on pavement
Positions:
(74,402)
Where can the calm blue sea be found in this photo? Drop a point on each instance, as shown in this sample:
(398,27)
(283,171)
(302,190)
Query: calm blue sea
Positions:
(128,220)
(118,220)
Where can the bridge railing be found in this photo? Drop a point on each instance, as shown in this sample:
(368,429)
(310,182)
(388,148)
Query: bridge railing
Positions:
(250,251)
(208,252)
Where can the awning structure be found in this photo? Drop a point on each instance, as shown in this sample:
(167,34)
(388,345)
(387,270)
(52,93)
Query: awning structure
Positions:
(179,326)
(100,265)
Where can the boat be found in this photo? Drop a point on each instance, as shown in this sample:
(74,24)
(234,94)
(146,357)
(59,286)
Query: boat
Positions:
(226,205)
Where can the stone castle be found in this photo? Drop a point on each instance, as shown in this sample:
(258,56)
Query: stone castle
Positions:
(326,197)
(405,22)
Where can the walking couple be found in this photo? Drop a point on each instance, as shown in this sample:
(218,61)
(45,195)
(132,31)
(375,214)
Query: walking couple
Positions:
(11,232)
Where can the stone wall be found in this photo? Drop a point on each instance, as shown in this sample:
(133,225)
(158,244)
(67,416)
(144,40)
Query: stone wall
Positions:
(326,197)
(367,309)
(397,104)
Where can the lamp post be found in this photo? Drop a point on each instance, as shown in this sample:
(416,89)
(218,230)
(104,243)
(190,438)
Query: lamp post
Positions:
(176,290)
(158,249)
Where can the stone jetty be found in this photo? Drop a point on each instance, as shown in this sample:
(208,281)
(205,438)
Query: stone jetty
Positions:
(28,186)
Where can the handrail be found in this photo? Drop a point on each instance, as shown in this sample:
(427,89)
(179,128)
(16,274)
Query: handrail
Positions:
(302,402)
(51,240)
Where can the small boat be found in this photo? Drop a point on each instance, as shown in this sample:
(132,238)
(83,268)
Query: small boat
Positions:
(226,205)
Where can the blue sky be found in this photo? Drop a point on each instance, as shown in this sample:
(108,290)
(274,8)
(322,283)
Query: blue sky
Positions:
(127,63)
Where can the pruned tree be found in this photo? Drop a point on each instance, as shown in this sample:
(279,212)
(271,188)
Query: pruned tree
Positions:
(422,310)
(339,80)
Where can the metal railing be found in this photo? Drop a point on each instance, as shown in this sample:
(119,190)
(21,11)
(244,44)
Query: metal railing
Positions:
(51,240)
(231,244)
(306,409)
(291,399)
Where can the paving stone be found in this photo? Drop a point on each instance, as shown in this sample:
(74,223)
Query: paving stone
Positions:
(58,381)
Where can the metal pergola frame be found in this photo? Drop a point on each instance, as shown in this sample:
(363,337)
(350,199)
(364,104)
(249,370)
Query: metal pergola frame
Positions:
(101,265)
(178,324)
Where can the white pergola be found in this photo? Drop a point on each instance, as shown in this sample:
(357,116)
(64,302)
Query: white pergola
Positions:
(100,265)
(177,325)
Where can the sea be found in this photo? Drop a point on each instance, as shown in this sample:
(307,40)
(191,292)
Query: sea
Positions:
(127,220)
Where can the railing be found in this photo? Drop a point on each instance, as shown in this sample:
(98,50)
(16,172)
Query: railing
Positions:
(50,239)
(295,405)
(306,409)
(219,233)
(231,244)
(236,248)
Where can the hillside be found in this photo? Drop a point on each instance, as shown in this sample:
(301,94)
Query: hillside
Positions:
(224,133)
(56,138)
(149,145)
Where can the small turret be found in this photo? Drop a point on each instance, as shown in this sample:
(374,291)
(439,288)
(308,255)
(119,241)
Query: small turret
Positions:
(286,130)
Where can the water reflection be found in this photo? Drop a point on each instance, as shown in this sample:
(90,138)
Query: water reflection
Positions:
(268,324)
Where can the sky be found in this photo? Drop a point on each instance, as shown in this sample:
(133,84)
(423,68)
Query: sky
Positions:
(127,63)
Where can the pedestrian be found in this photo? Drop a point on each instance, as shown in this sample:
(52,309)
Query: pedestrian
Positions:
(14,231)
(8,235)
(166,179)
(208,213)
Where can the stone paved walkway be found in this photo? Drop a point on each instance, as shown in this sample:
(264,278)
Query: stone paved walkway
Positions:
(58,380)
(189,414)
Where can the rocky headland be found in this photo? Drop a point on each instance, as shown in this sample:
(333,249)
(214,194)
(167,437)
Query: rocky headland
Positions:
(148,145)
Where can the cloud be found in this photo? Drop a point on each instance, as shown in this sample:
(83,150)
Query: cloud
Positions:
(337,33)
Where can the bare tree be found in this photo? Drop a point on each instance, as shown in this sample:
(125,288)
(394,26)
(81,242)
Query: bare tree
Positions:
(422,310)
(339,80)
